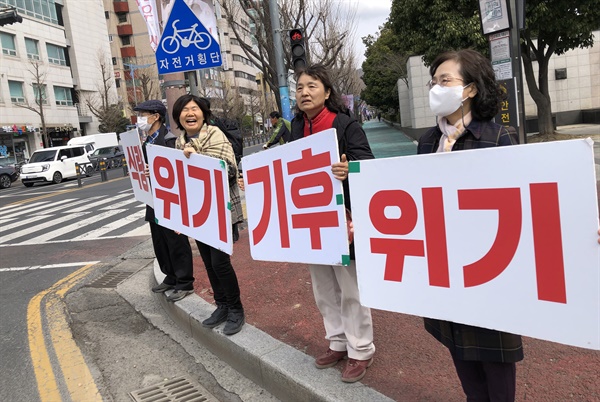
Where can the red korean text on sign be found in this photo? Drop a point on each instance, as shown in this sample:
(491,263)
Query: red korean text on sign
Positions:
(547,240)
(167,175)
(137,167)
(306,175)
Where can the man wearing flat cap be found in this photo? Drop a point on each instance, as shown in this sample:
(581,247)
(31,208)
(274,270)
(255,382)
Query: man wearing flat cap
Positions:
(173,251)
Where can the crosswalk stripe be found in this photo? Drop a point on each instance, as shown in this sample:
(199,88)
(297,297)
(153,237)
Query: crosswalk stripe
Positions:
(122,204)
(25,222)
(21,208)
(64,208)
(94,234)
(51,223)
(75,225)
(103,201)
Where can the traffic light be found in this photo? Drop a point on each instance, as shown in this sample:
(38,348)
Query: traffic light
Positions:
(9,16)
(298,48)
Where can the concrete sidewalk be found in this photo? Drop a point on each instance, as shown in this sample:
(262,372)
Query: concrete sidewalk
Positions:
(284,332)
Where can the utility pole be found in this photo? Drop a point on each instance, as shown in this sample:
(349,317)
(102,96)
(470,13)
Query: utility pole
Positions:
(284,91)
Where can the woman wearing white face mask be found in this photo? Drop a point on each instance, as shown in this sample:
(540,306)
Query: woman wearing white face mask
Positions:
(465,96)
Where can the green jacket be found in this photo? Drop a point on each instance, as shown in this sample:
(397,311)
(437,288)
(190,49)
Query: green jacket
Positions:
(281,132)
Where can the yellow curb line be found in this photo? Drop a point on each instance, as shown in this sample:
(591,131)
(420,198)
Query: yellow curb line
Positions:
(76,374)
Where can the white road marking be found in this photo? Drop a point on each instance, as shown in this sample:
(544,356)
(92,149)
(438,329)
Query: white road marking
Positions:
(97,233)
(50,223)
(51,266)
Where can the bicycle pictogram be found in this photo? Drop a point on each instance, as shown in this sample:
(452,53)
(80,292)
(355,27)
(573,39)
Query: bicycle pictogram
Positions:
(201,40)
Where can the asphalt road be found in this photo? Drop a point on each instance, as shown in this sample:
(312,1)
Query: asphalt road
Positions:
(66,334)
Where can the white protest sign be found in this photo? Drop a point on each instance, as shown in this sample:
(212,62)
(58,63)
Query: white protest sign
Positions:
(130,141)
(191,196)
(502,238)
(294,204)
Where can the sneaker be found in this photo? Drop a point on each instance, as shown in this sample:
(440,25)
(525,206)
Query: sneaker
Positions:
(218,316)
(161,288)
(179,294)
(356,369)
(330,358)
(235,321)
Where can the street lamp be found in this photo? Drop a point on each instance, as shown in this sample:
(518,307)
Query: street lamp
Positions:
(132,68)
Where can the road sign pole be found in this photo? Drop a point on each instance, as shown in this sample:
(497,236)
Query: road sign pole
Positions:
(282,81)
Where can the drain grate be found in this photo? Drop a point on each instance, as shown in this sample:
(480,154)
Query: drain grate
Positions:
(110,279)
(178,389)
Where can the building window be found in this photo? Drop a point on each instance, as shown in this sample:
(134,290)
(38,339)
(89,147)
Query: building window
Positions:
(56,54)
(44,10)
(114,61)
(36,93)
(16,91)
(126,40)
(242,59)
(118,83)
(241,74)
(33,52)
(8,44)
(234,42)
(110,38)
(63,96)
(122,17)
(106,15)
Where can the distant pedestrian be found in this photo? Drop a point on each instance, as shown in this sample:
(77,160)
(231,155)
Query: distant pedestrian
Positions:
(465,97)
(379,116)
(173,251)
(192,114)
(348,325)
(281,130)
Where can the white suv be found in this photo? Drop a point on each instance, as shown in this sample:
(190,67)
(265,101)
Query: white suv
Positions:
(54,165)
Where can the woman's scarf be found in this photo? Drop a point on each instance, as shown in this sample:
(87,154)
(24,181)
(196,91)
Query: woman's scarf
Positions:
(451,133)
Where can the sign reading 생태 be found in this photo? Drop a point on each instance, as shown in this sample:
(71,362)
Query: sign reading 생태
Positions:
(191,195)
(130,141)
(501,238)
(295,206)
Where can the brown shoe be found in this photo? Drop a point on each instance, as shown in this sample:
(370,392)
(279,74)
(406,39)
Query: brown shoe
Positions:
(329,358)
(356,369)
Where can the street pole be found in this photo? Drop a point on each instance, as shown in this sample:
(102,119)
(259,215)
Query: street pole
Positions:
(284,91)
(517,14)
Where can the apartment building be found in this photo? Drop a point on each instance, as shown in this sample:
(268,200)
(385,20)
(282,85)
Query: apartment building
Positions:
(54,52)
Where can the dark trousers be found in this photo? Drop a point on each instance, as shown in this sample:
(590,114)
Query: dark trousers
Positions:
(221,275)
(487,381)
(174,255)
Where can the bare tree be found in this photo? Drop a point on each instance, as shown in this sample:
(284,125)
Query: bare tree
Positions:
(38,72)
(103,104)
(229,103)
(147,84)
(328,26)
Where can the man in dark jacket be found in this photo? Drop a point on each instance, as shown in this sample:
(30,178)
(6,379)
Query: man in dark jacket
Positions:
(173,251)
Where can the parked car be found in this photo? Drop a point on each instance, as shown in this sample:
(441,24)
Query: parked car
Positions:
(8,175)
(113,156)
(54,165)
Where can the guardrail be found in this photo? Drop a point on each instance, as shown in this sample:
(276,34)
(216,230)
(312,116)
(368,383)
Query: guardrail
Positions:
(256,139)
(89,169)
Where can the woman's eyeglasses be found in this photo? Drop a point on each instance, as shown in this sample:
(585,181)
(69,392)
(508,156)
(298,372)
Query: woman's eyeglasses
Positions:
(444,82)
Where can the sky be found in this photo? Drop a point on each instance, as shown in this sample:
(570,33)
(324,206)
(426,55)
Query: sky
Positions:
(370,15)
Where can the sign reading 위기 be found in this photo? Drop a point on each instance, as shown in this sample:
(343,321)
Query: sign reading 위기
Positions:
(294,204)
(130,141)
(506,240)
(185,44)
(191,195)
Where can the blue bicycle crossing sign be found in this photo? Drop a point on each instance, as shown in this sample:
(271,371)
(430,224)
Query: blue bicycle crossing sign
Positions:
(185,44)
